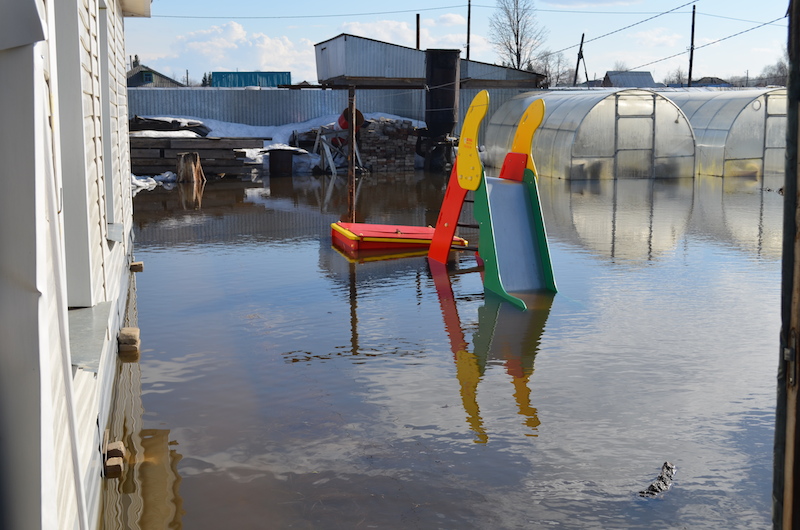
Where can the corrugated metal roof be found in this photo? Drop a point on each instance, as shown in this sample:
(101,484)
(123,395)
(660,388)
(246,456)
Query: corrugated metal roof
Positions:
(630,80)
(137,77)
(245,79)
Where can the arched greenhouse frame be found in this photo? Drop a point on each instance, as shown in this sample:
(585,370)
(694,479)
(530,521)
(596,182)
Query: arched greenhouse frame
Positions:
(599,134)
(738,132)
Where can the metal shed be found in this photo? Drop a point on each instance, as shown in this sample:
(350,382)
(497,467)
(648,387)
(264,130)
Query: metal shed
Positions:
(599,134)
(352,60)
(739,132)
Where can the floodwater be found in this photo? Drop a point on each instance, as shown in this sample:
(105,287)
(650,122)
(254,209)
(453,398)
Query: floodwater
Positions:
(282,385)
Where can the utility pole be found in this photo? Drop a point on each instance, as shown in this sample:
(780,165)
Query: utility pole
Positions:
(578,64)
(469,19)
(786,459)
(691,50)
(418,31)
(351,156)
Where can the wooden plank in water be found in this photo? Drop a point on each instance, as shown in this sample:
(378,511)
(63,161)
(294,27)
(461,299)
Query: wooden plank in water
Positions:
(234,162)
(216,143)
(204,153)
(148,142)
(150,161)
(145,153)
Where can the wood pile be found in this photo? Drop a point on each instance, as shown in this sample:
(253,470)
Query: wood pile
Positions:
(388,145)
(153,156)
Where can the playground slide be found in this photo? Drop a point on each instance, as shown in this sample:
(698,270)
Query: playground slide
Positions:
(510,214)
(513,240)
(466,175)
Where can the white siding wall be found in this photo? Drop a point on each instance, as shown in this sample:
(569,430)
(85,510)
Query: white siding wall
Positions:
(88,12)
(77,33)
(54,180)
(37,468)
(108,172)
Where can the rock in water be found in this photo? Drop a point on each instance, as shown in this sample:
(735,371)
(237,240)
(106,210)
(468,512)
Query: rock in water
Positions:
(662,483)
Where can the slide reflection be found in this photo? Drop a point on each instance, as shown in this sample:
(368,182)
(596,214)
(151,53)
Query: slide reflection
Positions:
(505,333)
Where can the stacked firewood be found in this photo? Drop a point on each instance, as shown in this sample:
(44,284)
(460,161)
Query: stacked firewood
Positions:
(388,145)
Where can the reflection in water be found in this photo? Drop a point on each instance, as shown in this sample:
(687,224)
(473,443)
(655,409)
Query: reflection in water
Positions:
(625,220)
(307,390)
(635,220)
(505,333)
(146,496)
(746,213)
(191,194)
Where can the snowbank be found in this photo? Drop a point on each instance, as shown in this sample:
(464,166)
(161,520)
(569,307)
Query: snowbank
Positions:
(280,134)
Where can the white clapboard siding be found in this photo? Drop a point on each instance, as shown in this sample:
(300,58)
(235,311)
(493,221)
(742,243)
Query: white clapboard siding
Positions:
(68,63)
(90,87)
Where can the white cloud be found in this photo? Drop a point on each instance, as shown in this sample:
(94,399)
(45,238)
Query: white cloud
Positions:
(451,19)
(216,42)
(658,38)
(230,47)
(391,31)
(281,54)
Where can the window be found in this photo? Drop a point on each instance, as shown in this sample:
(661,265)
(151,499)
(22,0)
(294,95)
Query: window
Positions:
(147,77)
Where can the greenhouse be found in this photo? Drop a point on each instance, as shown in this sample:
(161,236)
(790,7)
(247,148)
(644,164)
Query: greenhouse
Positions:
(599,134)
(738,132)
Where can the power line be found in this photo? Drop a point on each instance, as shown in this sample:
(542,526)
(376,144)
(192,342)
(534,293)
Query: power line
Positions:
(708,43)
(395,12)
(640,22)
(281,17)
(585,12)
(736,19)
(620,29)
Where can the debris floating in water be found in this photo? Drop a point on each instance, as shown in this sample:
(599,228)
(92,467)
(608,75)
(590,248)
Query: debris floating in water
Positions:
(662,483)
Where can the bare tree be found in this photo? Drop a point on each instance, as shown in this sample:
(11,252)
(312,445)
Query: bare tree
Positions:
(739,81)
(515,33)
(776,74)
(676,77)
(555,68)
(620,66)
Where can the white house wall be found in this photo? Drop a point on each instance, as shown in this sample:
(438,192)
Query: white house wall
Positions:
(77,28)
(115,155)
(52,407)
(37,471)
(115,114)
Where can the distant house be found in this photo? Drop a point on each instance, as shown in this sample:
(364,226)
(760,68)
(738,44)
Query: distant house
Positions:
(594,83)
(630,80)
(143,76)
(351,60)
(245,79)
(711,82)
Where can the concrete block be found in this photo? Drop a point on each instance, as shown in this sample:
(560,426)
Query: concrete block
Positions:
(113,467)
(129,336)
(129,353)
(115,450)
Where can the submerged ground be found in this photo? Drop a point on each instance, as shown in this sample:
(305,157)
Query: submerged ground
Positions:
(283,386)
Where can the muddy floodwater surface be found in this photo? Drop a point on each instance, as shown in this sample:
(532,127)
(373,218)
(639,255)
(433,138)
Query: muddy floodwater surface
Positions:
(283,384)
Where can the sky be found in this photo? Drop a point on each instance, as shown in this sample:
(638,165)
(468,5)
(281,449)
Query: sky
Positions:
(732,37)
